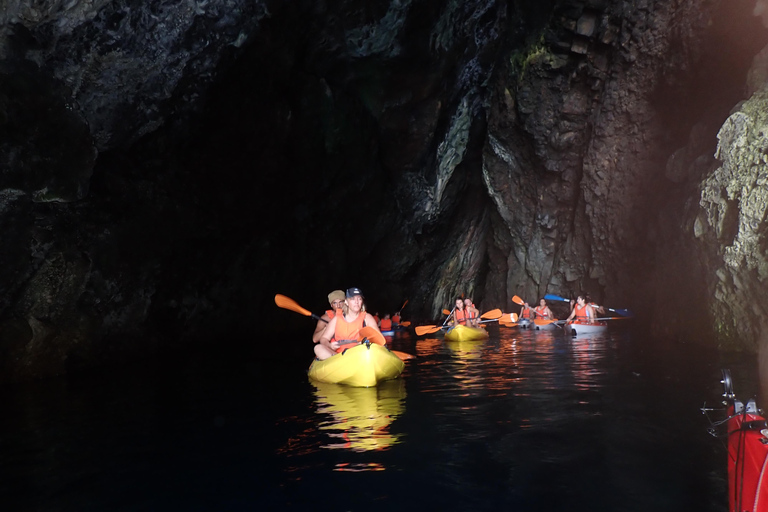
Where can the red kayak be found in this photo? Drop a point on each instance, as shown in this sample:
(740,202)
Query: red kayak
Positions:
(747,433)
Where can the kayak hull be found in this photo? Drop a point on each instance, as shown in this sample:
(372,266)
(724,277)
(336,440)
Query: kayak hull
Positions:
(464,333)
(748,455)
(363,365)
(549,326)
(577,328)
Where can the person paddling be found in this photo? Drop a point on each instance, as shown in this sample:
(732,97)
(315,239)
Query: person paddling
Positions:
(386,323)
(543,312)
(459,314)
(526,313)
(472,312)
(344,328)
(582,312)
(336,300)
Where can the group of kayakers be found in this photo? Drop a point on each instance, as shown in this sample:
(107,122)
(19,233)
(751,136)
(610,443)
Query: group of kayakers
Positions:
(338,327)
(582,310)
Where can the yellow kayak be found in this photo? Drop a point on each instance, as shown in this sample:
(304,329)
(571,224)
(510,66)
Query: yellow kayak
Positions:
(464,333)
(363,365)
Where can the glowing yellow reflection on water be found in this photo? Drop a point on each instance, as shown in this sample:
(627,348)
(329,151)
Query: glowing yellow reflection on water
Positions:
(359,419)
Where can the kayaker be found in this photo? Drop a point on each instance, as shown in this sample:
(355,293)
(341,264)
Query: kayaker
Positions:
(344,327)
(386,323)
(396,319)
(376,317)
(336,300)
(526,313)
(459,314)
(542,311)
(582,312)
(472,312)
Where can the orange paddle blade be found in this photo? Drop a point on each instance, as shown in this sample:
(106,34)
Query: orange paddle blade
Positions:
(446,312)
(372,334)
(541,321)
(514,317)
(518,300)
(403,355)
(287,303)
(427,329)
(492,314)
(405,324)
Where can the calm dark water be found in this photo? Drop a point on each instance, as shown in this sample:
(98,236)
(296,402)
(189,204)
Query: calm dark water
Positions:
(525,421)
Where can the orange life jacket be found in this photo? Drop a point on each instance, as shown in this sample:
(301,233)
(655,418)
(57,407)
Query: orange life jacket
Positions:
(526,314)
(540,310)
(471,313)
(331,313)
(581,313)
(386,324)
(346,331)
(460,316)
(396,319)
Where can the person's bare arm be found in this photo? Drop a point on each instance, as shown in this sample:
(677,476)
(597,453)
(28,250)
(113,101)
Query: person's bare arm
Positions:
(325,338)
(320,327)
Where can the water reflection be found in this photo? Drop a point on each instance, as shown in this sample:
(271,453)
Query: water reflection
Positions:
(359,419)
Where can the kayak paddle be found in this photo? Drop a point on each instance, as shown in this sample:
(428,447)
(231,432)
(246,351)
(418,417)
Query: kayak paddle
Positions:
(518,300)
(287,303)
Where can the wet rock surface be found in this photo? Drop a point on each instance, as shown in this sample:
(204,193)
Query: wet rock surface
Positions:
(168,168)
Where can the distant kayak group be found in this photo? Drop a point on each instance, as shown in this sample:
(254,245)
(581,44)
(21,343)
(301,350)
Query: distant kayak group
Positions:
(350,343)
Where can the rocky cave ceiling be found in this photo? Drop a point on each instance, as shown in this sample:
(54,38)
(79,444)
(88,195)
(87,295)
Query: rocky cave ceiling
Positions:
(169,166)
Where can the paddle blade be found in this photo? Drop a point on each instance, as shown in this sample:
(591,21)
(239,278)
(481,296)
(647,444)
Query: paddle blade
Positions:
(405,324)
(622,312)
(427,329)
(403,355)
(404,303)
(492,314)
(514,317)
(287,303)
(372,334)
(541,321)
(556,297)
(518,300)
(446,312)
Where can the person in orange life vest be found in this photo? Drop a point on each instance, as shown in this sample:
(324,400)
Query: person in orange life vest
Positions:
(386,323)
(472,312)
(542,311)
(459,315)
(396,319)
(526,313)
(376,317)
(582,312)
(336,300)
(345,326)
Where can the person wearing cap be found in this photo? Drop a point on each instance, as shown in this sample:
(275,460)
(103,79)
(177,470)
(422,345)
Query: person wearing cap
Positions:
(336,300)
(341,332)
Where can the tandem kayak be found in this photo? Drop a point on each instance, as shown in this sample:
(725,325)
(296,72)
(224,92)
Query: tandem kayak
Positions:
(747,432)
(363,365)
(577,328)
(464,333)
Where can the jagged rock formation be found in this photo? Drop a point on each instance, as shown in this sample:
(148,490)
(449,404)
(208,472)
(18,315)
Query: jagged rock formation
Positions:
(168,168)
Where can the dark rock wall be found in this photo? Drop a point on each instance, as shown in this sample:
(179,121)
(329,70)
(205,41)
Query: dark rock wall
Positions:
(167,168)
